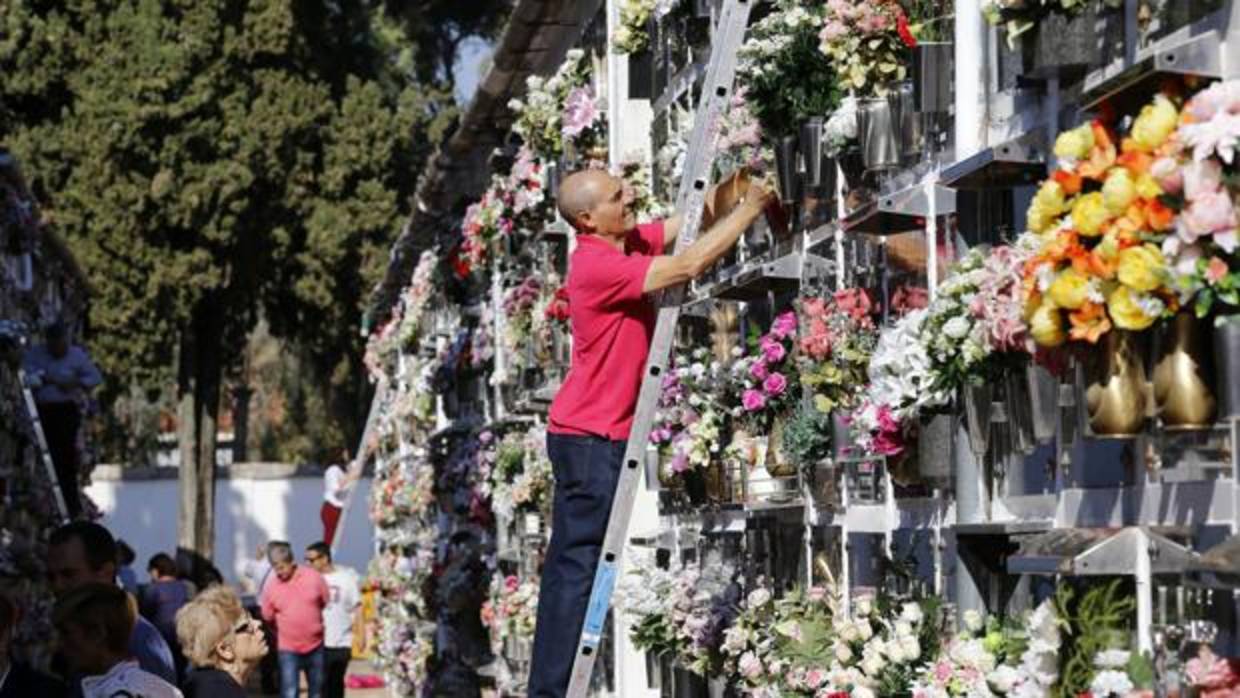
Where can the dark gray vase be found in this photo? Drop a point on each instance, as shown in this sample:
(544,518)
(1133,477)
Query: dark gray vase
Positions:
(1227,365)
(786,169)
(932,77)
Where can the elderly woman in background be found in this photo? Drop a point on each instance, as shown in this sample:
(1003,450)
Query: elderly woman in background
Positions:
(223,643)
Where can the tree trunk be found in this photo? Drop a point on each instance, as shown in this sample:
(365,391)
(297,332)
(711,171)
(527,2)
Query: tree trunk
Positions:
(241,394)
(198,385)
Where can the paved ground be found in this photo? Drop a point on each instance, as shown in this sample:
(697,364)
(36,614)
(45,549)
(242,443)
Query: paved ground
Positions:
(357,667)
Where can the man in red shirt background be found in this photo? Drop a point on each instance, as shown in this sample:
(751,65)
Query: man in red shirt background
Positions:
(615,267)
(293,601)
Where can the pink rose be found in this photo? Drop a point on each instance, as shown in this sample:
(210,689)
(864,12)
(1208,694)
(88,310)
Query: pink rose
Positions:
(815,677)
(1202,178)
(1216,269)
(772,349)
(753,400)
(785,325)
(1166,171)
(1209,213)
(759,370)
(775,384)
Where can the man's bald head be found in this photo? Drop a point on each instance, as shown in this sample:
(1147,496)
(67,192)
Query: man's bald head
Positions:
(579,192)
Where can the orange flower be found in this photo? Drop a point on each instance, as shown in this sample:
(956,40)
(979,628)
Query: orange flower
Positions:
(1070,182)
(1158,216)
(1102,157)
(1136,161)
(1089,323)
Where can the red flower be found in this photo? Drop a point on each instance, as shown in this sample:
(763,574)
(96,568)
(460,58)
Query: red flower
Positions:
(906,34)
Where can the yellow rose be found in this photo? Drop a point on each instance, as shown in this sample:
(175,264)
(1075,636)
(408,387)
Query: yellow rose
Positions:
(1155,124)
(1147,186)
(1075,144)
(1142,268)
(1089,214)
(1047,205)
(1119,191)
(1108,249)
(1070,289)
(1126,308)
(1046,325)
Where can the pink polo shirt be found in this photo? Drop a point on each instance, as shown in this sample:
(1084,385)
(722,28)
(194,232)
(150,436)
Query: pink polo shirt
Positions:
(613,323)
(296,609)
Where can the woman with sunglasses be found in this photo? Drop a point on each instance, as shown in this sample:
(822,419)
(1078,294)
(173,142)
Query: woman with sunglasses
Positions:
(222,642)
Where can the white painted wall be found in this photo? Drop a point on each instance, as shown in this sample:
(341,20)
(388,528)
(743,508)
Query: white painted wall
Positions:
(250,508)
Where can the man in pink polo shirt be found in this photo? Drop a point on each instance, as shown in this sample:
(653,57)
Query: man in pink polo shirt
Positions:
(616,266)
(293,601)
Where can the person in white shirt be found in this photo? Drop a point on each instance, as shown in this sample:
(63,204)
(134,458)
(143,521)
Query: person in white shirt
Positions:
(338,616)
(337,481)
(62,375)
(94,623)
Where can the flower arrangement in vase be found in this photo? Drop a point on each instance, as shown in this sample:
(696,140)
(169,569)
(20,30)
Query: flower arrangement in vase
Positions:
(867,43)
(838,335)
(1199,177)
(1003,657)
(785,77)
(689,424)
(1100,221)
(540,115)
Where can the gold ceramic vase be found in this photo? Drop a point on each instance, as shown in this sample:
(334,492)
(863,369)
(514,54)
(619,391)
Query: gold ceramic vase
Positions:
(1115,385)
(667,479)
(1184,375)
(777,462)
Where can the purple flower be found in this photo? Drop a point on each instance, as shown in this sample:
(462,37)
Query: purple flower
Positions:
(775,384)
(752,400)
(758,370)
(772,349)
(785,325)
(580,111)
(680,462)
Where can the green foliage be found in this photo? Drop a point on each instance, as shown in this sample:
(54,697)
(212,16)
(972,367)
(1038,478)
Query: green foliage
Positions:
(807,436)
(1098,620)
(213,162)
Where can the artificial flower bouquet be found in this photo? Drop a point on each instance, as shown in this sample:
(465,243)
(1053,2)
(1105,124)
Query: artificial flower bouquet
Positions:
(643,599)
(837,337)
(1099,223)
(780,646)
(997,657)
(1213,676)
(520,302)
(1019,16)
(786,79)
(541,116)
(1200,176)
(689,423)
(512,609)
(762,383)
(521,478)
(867,43)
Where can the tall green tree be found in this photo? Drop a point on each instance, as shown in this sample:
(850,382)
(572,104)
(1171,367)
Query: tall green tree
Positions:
(211,160)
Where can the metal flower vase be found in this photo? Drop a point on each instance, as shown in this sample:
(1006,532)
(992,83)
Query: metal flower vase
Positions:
(1018,404)
(820,170)
(977,412)
(653,675)
(786,169)
(1227,364)
(878,130)
(934,450)
(933,63)
(1115,385)
(841,436)
(688,684)
(1184,376)
(1044,401)
(777,461)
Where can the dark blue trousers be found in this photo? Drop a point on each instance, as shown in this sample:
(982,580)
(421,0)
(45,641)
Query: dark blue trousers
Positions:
(586,469)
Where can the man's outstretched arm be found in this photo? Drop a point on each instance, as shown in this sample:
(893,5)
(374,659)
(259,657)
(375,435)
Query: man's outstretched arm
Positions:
(670,270)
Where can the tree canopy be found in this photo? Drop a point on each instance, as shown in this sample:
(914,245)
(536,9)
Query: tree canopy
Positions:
(211,162)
